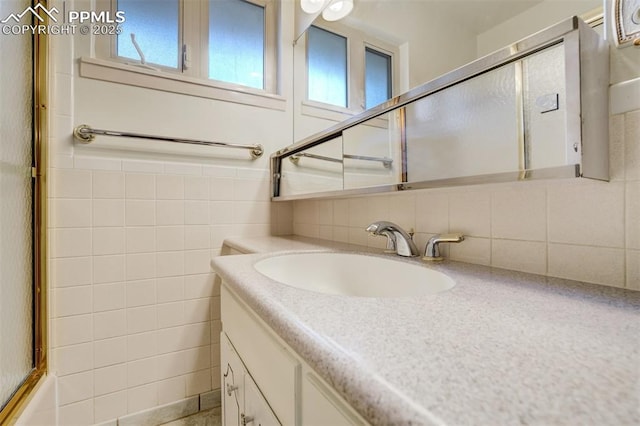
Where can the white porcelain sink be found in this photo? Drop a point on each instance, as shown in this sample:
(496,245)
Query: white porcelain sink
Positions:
(354,275)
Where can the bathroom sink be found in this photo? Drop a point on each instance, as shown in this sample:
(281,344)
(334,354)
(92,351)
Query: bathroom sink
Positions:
(353,275)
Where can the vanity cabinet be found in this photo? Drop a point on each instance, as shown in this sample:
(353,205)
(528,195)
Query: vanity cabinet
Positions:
(264,382)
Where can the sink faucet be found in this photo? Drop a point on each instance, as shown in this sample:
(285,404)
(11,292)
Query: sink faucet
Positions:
(397,238)
(432,250)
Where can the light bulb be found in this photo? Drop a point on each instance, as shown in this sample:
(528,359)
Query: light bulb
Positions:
(312,6)
(337,9)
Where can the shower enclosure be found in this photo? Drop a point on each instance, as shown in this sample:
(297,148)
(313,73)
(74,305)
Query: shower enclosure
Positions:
(22,106)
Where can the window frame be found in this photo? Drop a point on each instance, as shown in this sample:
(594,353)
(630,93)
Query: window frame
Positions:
(357,43)
(104,64)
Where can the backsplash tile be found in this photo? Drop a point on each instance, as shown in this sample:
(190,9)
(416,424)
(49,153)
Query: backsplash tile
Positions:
(578,229)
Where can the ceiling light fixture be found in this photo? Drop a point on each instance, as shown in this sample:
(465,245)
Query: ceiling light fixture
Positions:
(337,9)
(312,6)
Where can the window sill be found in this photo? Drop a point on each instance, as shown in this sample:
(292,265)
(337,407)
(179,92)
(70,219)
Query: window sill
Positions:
(101,69)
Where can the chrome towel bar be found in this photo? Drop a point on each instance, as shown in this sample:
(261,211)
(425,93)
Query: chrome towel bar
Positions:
(386,162)
(86,134)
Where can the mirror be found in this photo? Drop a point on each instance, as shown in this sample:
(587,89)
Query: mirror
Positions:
(425,39)
(536,108)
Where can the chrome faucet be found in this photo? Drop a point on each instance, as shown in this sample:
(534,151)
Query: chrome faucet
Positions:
(398,239)
(432,250)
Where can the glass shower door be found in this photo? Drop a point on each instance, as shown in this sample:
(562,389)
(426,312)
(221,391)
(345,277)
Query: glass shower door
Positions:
(16,208)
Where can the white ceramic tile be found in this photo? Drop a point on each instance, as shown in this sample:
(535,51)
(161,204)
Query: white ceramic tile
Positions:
(632,145)
(519,213)
(70,213)
(402,210)
(75,387)
(358,236)
(108,212)
(358,213)
(219,233)
(170,289)
(469,213)
(325,232)
(170,264)
(472,250)
(71,271)
(340,212)
(251,189)
(183,169)
(170,212)
(108,241)
(197,262)
(108,269)
(76,414)
(69,183)
(616,147)
(432,212)
(633,270)
(140,186)
(141,293)
(140,266)
(72,330)
(142,166)
(142,345)
(171,314)
(73,359)
(252,173)
(63,94)
(108,185)
(198,382)
(215,378)
(140,212)
(142,397)
(171,390)
(215,307)
(71,242)
(197,286)
(141,239)
(306,212)
(586,212)
(170,238)
(196,237)
(250,212)
(110,351)
(109,324)
(141,319)
(306,230)
(197,310)
(215,355)
(221,189)
(108,297)
(97,163)
(110,379)
(196,359)
(195,335)
(252,230)
(632,215)
(221,212)
(171,364)
(196,188)
(325,212)
(61,161)
(598,265)
(219,171)
(169,187)
(141,372)
(111,406)
(196,212)
(73,300)
(525,256)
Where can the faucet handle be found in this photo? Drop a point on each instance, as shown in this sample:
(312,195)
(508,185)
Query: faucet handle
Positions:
(432,250)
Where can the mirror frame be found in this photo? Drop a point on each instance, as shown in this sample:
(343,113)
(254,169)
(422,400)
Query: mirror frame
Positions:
(587,57)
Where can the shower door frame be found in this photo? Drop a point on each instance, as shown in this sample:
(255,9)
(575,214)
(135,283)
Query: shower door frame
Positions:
(40,95)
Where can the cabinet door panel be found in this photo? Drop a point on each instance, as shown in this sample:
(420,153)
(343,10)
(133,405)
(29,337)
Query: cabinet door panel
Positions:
(256,407)
(322,407)
(232,383)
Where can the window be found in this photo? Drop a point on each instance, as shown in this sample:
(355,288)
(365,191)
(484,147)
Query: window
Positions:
(230,44)
(345,70)
(327,67)
(377,77)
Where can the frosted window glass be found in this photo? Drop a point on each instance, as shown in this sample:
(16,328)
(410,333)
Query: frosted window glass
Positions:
(377,85)
(327,63)
(16,276)
(155,25)
(236,42)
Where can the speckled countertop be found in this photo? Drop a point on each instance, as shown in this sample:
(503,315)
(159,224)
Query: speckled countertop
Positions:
(500,348)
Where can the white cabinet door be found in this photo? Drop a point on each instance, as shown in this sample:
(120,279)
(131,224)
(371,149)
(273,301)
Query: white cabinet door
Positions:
(232,383)
(256,410)
(321,406)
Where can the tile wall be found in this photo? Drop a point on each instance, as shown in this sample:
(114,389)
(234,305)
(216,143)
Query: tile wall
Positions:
(576,229)
(136,315)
